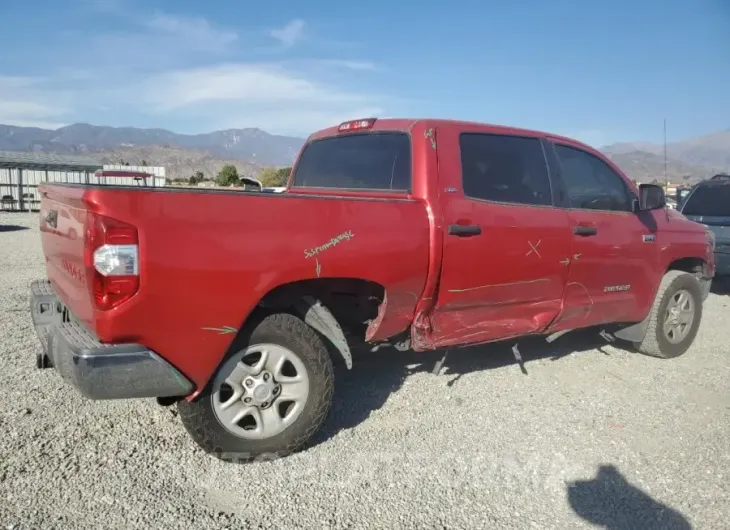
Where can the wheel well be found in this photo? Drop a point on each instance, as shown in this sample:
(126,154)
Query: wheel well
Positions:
(694,266)
(353,302)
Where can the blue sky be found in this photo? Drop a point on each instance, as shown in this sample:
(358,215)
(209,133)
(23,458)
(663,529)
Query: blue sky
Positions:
(600,71)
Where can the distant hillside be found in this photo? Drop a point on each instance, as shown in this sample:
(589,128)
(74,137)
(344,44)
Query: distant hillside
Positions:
(699,157)
(178,163)
(251,149)
(643,166)
(246,144)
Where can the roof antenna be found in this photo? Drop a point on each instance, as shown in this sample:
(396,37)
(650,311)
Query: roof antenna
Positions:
(666,182)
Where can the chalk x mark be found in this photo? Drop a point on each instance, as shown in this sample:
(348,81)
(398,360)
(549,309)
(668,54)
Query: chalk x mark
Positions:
(533,248)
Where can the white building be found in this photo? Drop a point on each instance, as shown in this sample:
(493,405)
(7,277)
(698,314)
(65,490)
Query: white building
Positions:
(21,173)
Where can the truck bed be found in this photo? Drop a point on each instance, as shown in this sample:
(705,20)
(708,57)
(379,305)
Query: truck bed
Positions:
(227,249)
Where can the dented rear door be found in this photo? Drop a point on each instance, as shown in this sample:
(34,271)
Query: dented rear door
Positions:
(506,248)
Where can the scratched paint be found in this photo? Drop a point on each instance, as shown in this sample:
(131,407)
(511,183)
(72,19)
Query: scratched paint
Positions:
(429,136)
(528,282)
(344,236)
(587,292)
(225,330)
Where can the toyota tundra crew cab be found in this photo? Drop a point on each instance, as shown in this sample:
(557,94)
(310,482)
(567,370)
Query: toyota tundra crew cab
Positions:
(427,234)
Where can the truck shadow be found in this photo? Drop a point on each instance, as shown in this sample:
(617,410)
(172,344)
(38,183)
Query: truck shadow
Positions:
(610,501)
(376,375)
(12,228)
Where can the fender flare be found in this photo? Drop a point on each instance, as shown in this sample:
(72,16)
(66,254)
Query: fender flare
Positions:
(316,315)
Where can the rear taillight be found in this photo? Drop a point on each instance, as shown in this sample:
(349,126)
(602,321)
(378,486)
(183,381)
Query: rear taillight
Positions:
(111,257)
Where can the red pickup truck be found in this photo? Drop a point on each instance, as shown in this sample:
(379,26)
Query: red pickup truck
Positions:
(423,233)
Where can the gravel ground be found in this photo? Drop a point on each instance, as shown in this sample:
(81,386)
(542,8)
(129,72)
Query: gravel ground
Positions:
(592,435)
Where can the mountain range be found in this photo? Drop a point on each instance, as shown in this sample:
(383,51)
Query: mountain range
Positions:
(252,149)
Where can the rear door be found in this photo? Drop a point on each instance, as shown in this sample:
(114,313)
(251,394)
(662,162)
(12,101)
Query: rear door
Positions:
(615,252)
(506,247)
(709,204)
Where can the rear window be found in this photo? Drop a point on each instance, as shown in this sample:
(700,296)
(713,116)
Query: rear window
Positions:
(375,161)
(709,201)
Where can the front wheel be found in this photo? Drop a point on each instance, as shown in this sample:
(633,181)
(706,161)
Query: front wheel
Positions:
(675,316)
(268,398)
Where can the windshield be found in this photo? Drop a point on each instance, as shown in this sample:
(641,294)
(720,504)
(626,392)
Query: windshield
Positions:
(376,161)
(709,201)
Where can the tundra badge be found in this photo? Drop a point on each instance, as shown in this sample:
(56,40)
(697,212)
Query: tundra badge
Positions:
(616,288)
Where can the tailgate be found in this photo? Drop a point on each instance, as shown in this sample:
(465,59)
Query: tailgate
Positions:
(62,225)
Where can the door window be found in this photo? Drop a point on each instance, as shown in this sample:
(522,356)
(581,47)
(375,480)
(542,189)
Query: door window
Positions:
(591,184)
(503,168)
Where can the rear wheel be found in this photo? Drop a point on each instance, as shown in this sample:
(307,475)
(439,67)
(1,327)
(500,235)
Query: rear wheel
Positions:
(675,316)
(269,396)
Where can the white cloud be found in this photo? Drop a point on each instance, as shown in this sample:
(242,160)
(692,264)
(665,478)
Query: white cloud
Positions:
(364,66)
(255,83)
(197,32)
(290,34)
(142,76)
(268,96)
(25,104)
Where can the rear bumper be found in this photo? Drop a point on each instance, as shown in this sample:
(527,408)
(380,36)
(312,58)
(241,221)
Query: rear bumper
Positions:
(98,371)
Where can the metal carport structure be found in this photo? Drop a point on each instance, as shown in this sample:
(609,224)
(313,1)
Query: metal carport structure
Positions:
(21,173)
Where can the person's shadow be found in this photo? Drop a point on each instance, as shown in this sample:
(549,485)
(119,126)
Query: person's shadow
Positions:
(376,375)
(611,502)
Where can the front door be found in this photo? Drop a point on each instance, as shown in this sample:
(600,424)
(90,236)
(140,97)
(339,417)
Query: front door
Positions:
(505,247)
(615,252)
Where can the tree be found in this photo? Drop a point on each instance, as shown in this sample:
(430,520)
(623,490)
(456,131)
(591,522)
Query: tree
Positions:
(271,177)
(196,178)
(228,176)
(144,162)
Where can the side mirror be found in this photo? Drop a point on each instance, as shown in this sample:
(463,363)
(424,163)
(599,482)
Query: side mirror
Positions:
(651,197)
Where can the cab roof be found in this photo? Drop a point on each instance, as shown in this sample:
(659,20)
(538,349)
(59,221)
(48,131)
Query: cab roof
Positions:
(406,124)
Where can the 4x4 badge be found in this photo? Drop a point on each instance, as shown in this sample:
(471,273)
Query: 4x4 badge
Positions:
(649,238)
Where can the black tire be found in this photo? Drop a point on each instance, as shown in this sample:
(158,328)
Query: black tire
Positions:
(655,343)
(286,330)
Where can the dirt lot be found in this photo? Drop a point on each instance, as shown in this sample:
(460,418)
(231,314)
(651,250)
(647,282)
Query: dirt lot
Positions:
(592,435)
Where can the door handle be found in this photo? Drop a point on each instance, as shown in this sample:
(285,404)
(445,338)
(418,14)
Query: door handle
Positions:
(582,230)
(465,230)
